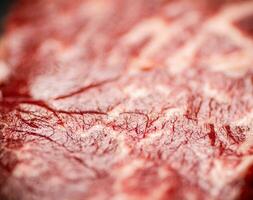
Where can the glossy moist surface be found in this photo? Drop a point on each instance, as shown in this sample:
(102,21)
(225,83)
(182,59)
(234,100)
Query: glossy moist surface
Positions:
(127,100)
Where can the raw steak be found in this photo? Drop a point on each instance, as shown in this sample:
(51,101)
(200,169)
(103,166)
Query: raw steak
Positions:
(127,100)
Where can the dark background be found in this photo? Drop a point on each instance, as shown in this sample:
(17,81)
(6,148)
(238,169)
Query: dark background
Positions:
(4,8)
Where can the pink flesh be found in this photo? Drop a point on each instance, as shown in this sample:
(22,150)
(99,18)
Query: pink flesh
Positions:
(127,99)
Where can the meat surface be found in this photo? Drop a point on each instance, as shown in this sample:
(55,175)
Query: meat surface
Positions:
(127,100)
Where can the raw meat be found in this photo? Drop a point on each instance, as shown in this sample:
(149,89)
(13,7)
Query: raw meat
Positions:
(127,100)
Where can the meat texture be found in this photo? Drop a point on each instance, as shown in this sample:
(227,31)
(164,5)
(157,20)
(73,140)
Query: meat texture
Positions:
(127,100)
